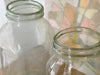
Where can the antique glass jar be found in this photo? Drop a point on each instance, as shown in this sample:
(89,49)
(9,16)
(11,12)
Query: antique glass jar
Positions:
(74,49)
(26,39)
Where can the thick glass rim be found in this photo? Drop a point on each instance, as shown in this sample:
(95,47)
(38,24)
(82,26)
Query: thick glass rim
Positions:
(25,14)
(76,49)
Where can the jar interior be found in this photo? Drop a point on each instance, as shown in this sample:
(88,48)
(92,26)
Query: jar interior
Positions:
(20,9)
(79,38)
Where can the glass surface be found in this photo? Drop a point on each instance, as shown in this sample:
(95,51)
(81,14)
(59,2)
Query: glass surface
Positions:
(26,39)
(74,48)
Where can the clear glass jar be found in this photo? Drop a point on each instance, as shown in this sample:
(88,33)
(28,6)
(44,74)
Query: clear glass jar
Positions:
(74,49)
(26,38)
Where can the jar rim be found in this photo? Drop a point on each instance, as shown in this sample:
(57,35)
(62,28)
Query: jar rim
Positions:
(37,12)
(87,48)
(57,46)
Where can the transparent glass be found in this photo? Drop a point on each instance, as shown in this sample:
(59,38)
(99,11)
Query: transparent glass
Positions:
(73,49)
(26,39)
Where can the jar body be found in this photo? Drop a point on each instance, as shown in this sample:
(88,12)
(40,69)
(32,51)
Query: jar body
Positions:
(26,39)
(27,34)
(18,38)
(59,66)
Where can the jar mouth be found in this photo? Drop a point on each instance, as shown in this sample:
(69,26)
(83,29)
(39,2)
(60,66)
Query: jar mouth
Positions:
(25,8)
(77,41)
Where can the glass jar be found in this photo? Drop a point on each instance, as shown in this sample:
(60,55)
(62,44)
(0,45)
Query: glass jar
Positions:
(74,48)
(26,38)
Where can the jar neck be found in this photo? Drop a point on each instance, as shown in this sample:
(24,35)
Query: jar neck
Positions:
(24,10)
(75,52)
